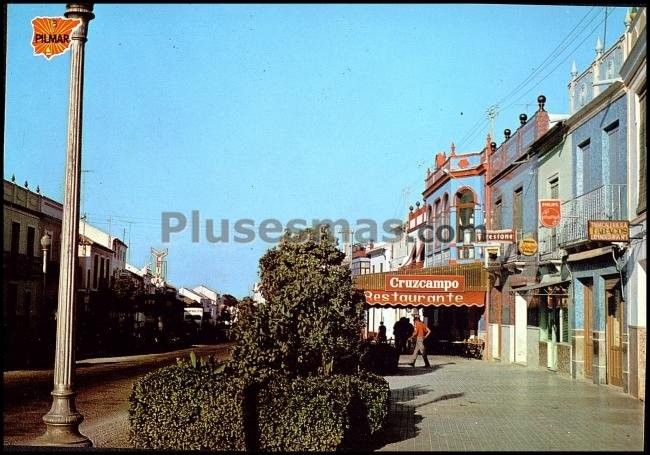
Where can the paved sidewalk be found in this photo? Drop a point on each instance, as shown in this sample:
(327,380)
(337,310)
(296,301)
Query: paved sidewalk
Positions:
(464,405)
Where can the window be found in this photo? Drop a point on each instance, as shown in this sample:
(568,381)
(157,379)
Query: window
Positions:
(31,235)
(496,220)
(642,151)
(555,194)
(465,216)
(15,238)
(381,267)
(518,212)
(95,271)
(617,161)
(373,269)
(466,252)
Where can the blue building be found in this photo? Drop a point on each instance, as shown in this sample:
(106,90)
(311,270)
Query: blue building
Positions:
(597,130)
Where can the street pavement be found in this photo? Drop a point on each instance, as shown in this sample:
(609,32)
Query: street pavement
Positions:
(103,386)
(457,405)
(467,405)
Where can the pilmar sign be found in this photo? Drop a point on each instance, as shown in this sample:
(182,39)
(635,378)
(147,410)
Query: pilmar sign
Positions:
(52,35)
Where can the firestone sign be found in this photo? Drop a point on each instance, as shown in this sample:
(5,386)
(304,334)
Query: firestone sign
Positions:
(424,283)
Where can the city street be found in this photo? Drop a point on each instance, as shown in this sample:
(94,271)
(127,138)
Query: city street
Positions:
(103,387)
(458,404)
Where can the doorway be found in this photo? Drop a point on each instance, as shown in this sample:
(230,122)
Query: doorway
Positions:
(521,326)
(588,333)
(614,332)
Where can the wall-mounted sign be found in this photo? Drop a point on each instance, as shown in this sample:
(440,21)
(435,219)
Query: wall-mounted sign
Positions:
(52,35)
(380,297)
(608,230)
(502,236)
(528,246)
(550,212)
(424,283)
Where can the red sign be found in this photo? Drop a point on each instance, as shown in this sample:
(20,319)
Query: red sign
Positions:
(550,212)
(502,236)
(52,35)
(381,297)
(424,284)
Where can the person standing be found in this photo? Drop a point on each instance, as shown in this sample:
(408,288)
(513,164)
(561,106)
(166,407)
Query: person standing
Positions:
(400,335)
(420,333)
(381,337)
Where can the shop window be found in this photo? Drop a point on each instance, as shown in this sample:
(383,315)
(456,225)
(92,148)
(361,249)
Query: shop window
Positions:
(543,320)
(533,312)
(564,325)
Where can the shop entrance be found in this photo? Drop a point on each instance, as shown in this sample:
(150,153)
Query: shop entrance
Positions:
(614,332)
(588,330)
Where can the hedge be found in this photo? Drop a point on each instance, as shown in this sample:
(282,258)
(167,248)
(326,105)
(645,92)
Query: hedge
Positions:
(185,407)
(202,407)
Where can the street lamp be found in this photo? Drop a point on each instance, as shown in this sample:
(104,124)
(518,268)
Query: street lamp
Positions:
(63,419)
(46,241)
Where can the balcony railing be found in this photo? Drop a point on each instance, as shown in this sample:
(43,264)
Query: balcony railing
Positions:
(609,202)
(549,245)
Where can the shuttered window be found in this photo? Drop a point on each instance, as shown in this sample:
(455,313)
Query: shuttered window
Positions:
(642,151)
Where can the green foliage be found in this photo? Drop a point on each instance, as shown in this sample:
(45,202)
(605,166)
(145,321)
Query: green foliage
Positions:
(185,407)
(379,358)
(312,317)
(321,413)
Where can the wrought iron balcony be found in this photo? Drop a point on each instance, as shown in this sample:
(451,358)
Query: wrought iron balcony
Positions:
(549,246)
(609,202)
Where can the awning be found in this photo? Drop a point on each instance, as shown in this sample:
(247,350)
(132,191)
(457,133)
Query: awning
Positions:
(556,281)
(581,256)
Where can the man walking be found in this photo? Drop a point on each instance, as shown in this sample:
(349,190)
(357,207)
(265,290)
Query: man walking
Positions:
(420,333)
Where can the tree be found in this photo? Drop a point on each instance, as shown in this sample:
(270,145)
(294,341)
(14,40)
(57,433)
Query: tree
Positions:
(312,318)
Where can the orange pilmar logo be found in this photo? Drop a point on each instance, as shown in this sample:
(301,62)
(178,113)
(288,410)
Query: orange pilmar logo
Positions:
(52,35)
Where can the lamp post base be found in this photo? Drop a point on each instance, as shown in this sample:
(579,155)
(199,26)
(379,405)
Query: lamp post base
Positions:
(63,422)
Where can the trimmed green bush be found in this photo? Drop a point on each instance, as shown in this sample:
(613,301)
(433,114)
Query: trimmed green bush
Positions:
(187,407)
(196,405)
(322,413)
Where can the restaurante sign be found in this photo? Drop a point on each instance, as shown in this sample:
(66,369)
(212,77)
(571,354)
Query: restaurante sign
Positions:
(379,297)
(424,283)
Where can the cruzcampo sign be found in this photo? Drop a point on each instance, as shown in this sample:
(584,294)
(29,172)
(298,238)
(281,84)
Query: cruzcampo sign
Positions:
(52,35)
(424,284)
(609,230)
(528,246)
